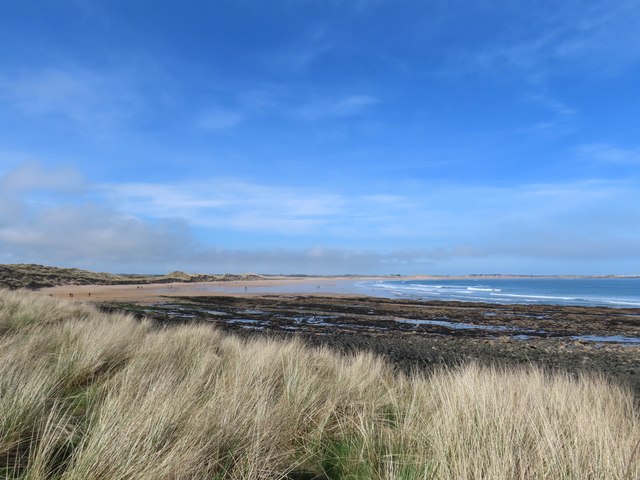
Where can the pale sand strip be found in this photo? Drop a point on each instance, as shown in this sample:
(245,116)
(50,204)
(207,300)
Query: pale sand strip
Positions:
(154,292)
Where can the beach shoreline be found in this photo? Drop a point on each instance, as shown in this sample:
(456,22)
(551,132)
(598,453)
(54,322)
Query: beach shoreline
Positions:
(616,292)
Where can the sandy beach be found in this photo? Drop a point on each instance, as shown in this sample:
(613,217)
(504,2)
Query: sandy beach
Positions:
(151,293)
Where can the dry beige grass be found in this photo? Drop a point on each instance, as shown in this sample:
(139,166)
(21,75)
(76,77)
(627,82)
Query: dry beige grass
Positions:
(85,395)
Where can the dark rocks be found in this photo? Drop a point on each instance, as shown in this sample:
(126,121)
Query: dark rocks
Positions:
(540,335)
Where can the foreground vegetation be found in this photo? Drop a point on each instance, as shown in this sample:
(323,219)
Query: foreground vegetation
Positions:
(88,395)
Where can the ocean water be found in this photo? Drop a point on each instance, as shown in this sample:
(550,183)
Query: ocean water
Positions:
(611,292)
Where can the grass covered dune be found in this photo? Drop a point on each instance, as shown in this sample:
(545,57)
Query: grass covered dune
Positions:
(88,395)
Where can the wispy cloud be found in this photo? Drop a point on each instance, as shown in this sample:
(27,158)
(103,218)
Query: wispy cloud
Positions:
(219,203)
(554,118)
(598,36)
(607,153)
(319,260)
(335,108)
(298,57)
(551,104)
(356,6)
(220,119)
(84,97)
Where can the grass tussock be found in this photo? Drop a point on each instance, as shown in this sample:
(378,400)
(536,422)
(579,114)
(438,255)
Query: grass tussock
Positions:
(86,395)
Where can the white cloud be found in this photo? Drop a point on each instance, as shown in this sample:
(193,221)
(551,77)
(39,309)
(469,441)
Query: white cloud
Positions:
(45,216)
(232,204)
(94,232)
(33,176)
(153,227)
(447,221)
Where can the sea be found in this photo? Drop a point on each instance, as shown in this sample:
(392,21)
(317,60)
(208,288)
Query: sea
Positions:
(621,292)
(584,291)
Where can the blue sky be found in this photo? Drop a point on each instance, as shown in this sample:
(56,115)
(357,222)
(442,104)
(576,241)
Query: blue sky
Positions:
(321,136)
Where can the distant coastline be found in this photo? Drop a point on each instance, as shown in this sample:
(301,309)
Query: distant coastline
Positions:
(35,276)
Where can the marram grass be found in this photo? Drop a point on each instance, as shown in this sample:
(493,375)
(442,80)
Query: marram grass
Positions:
(88,395)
